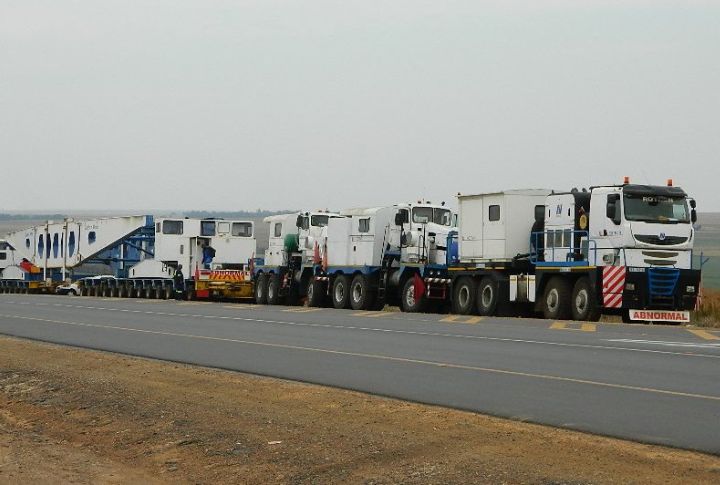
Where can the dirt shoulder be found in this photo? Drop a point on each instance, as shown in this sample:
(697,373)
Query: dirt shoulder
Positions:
(72,415)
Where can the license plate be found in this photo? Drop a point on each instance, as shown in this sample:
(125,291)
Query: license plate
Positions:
(660,316)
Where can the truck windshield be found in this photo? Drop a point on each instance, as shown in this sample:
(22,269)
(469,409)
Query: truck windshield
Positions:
(655,208)
(423,215)
(319,221)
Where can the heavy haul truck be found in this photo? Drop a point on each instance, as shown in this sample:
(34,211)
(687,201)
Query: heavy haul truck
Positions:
(142,256)
(358,258)
(623,249)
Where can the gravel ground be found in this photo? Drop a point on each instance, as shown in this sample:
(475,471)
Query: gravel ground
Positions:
(78,416)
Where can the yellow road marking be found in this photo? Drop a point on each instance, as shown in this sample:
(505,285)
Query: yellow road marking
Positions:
(584,327)
(446,365)
(461,319)
(302,310)
(703,334)
(194,303)
(369,314)
(241,307)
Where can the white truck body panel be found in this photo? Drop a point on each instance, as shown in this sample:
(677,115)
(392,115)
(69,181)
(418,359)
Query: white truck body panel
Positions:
(497,226)
(181,241)
(280,226)
(358,239)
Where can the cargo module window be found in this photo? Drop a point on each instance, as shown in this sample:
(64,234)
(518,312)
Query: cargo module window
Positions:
(207,228)
(242,229)
(656,208)
(172,227)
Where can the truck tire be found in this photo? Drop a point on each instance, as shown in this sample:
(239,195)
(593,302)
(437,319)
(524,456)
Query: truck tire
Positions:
(408,302)
(556,299)
(361,297)
(488,296)
(584,301)
(341,292)
(463,296)
(273,290)
(261,289)
(316,293)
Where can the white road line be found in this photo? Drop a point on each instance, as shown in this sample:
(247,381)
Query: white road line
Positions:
(382,357)
(666,343)
(387,330)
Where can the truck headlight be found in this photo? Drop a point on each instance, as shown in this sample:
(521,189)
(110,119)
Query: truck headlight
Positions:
(630,286)
(689,289)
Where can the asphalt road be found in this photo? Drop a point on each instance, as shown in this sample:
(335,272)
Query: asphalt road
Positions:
(653,384)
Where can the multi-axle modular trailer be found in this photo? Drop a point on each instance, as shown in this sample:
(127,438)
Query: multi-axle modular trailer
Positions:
(141,256)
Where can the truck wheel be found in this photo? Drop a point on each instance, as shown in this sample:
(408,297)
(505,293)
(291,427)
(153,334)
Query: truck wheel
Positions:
(463,296)
(408,302)
(488,296)
(273,290)
(556,299)
(341,292)
(316,293)
(360,293)
(261,289)
(584,301)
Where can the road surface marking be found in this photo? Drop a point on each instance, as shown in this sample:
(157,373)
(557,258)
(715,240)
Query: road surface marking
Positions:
(703,334)
(697,345)
(194,303)
(461,319)
(370,314)
(241,307)
(389,358)
(583,327)
(302,310)
(387,330)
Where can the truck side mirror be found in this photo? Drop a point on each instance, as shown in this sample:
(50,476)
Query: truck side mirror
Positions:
(693,204)
(611,211)
(299,221)
(693,215)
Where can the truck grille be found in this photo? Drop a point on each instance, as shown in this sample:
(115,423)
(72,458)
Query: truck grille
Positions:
(661,286)
(668,241)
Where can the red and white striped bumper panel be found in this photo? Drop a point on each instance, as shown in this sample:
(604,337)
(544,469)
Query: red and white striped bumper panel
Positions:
(613,286)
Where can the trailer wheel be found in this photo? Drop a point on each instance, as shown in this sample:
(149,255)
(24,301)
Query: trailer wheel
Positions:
(488,296)
(463,296)
(261,289)
(408,302)
(360,293)
(315,293)
(556,299)
(341,292)
(273,290)
(584,301)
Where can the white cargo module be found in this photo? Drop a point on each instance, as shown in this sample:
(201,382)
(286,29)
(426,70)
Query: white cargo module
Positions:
(496,227)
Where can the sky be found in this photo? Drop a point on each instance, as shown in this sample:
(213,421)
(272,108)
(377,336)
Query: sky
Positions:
(308,104)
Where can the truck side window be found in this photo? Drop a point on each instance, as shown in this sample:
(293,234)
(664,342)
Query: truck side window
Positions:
(278,229)
(364,225)
(494,213)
